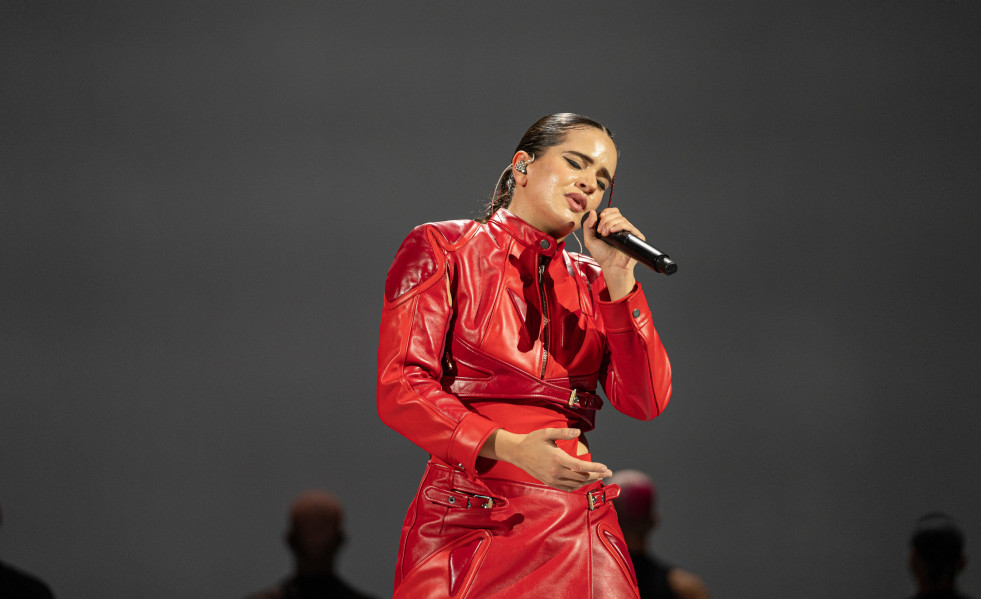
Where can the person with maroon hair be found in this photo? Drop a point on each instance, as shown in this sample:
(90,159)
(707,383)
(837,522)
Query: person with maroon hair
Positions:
(493,340)
(639,518)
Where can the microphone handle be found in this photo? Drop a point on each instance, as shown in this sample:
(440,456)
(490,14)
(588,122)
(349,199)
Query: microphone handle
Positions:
(641,251)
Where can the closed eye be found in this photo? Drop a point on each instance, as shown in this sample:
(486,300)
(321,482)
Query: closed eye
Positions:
(576,165)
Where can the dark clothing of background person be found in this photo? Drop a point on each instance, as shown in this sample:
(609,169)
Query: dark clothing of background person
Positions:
(639,517)
(324,586)
(652,577)
(314,537)
(15,584)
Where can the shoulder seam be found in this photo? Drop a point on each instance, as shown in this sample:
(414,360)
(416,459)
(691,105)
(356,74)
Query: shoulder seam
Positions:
(446,244)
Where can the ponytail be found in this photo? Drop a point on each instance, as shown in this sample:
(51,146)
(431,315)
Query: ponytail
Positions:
(501,197)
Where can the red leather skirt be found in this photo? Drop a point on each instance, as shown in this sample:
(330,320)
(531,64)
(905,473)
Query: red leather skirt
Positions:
(499,538)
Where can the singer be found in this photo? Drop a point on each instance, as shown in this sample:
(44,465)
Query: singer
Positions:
(493,339)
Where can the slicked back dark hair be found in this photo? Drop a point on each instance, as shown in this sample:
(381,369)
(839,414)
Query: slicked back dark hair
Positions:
(547,132)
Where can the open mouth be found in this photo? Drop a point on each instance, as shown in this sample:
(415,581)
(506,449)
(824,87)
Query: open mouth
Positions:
(576,201)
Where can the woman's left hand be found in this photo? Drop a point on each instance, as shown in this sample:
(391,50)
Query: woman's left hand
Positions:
(618,268)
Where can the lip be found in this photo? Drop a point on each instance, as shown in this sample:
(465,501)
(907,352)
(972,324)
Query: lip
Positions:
(577,201)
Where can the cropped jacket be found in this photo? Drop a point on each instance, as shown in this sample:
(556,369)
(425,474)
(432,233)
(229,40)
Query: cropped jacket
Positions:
(494,325)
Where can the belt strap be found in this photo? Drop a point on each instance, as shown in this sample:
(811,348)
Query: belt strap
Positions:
(460,500)
(598,497)
(507,382)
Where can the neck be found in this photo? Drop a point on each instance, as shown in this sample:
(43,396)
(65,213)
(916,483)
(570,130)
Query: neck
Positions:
(517,209)
(310,567)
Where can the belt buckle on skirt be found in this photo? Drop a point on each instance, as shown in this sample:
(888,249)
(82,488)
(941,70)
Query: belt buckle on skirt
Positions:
(595,498)
(487,504)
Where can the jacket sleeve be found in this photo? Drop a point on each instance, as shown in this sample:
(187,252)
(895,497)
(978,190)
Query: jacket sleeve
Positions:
(636,373)
(415,319)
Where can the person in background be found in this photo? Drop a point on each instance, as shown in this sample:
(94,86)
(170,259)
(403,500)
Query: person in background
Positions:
(936,557)
(15,584)
(637,511)
(314,537)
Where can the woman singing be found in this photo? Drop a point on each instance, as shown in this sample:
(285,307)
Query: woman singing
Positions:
(493,338)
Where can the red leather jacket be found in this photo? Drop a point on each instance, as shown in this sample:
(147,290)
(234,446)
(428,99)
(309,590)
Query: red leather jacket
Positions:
(495,325)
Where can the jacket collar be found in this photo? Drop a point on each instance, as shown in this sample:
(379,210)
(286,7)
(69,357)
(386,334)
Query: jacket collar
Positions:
(525,234)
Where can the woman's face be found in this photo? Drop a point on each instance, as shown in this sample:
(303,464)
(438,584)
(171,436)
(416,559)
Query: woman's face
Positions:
(566,182)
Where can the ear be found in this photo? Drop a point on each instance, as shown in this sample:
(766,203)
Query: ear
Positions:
(520,179)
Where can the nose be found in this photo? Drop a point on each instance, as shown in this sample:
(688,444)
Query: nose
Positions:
(588,184)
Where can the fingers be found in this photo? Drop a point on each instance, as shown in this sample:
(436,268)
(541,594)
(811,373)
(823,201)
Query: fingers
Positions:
(589,225)
(568,462)
(571,480)
(611,221)
(593,470)
(557,434)
(574,469)
(544,460)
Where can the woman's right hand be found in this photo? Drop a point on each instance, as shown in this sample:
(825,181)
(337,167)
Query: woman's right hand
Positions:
(537,454)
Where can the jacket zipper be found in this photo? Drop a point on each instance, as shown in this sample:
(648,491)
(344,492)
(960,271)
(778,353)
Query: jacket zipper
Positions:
(542,261)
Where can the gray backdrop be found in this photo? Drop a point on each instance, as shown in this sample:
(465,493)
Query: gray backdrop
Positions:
(199,203)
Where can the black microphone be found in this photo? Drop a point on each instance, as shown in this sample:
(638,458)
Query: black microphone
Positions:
(638,249)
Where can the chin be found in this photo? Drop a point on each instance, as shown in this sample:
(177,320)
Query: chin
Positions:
(565,230)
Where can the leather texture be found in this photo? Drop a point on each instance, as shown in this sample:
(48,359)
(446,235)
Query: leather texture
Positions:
(495,325)
(545,542)
(461,287)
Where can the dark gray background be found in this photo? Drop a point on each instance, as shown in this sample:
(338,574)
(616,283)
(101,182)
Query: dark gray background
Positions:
(199,202)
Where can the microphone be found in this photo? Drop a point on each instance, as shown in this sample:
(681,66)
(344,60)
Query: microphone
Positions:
(638,249)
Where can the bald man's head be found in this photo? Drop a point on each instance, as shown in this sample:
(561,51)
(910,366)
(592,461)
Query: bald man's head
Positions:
(316,531)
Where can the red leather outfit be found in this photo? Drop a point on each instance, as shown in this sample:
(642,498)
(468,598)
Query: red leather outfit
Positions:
(495,325)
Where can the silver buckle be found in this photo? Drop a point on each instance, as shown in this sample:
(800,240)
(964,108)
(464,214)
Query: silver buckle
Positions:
(593,501)
(487,504)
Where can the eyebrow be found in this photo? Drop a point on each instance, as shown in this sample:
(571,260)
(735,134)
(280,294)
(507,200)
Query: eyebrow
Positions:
(589,160)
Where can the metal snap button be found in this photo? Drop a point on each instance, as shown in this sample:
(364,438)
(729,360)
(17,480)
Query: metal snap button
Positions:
(636,312)
(544,243)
